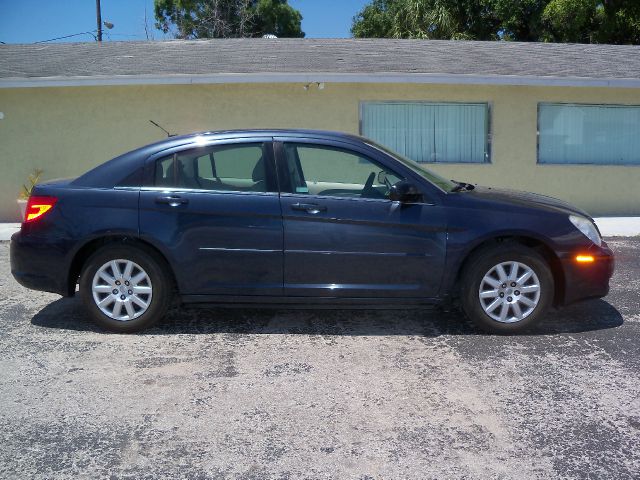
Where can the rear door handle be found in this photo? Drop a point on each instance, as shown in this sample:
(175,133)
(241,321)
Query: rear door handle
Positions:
(312,208)
(172,200)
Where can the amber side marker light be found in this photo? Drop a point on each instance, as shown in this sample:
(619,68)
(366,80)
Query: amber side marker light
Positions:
(584,258)
(38,206)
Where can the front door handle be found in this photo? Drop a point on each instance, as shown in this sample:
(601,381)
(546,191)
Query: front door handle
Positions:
(312,208)
(172,200)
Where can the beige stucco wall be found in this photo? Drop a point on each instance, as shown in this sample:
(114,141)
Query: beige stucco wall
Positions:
(66,131)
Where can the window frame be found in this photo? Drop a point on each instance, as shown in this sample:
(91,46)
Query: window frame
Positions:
(575,104)
(488,125)
(272,186)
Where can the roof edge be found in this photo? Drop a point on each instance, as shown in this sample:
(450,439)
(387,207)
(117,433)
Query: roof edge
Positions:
(299,77)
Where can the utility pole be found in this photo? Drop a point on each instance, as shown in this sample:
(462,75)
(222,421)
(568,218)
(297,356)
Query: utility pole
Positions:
(99,21)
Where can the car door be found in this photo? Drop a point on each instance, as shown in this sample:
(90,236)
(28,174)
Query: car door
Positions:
(343,237)
(215,211)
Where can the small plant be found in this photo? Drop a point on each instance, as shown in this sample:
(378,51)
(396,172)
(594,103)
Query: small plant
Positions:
(33,180)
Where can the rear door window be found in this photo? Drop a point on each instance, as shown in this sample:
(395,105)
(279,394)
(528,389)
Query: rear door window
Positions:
(237,167)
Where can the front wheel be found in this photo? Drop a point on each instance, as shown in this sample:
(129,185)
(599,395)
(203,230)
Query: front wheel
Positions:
(506,288)
(125,288)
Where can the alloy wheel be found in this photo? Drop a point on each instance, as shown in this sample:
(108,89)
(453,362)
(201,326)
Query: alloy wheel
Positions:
(122,290)
(509,292)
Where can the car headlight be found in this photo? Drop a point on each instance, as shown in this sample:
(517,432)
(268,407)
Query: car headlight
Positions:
(587,228)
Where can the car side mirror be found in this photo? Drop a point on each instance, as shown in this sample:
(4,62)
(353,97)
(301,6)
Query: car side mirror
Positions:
(405,192)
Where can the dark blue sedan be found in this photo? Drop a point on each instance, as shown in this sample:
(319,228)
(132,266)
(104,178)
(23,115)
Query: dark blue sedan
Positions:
(300,218)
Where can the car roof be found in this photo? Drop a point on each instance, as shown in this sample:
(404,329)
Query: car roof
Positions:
(260,133)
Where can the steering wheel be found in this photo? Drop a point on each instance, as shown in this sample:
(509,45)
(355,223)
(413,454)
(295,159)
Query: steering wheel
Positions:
(368,184)
(388,184)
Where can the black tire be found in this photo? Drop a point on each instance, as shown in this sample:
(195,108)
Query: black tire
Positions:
(156,270)
(481,264)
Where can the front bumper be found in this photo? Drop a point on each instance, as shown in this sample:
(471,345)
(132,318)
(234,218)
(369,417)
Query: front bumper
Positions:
(38,264)
(587,280)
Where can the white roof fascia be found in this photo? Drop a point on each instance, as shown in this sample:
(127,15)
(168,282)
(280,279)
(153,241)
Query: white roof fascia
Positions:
(407,78)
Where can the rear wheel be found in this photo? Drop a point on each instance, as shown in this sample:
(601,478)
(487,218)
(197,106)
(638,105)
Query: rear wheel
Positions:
(506,288)
(125,288)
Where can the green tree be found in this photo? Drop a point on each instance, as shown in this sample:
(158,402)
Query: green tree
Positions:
(620,22)
(585,21)
(609,21)
(376,20)
(518,20)
(278,18)
(436,19)
(227,18)
(573,21)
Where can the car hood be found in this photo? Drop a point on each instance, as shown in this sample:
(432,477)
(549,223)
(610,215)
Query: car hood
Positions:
(524,199)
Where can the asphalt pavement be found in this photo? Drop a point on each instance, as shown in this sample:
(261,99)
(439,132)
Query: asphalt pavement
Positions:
(214,393)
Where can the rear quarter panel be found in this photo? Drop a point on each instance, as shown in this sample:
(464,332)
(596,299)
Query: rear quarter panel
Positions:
(80,216)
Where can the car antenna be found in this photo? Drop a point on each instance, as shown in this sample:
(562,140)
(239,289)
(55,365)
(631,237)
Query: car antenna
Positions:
(165,131)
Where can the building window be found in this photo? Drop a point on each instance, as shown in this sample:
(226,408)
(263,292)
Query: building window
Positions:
(589,134)
(430,132)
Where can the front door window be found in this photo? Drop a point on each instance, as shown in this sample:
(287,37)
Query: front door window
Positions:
(327,171)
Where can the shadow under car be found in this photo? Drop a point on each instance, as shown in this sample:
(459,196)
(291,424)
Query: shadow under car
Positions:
(591,315)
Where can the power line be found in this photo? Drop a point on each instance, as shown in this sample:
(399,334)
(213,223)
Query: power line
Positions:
(69,36)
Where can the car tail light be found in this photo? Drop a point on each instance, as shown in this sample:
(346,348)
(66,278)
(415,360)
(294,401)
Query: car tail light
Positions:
(37,207)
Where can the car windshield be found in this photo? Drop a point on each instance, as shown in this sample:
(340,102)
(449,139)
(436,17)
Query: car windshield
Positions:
(441,182)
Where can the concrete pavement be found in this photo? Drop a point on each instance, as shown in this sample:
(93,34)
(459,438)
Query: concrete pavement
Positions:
(286,394)
(8,229)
